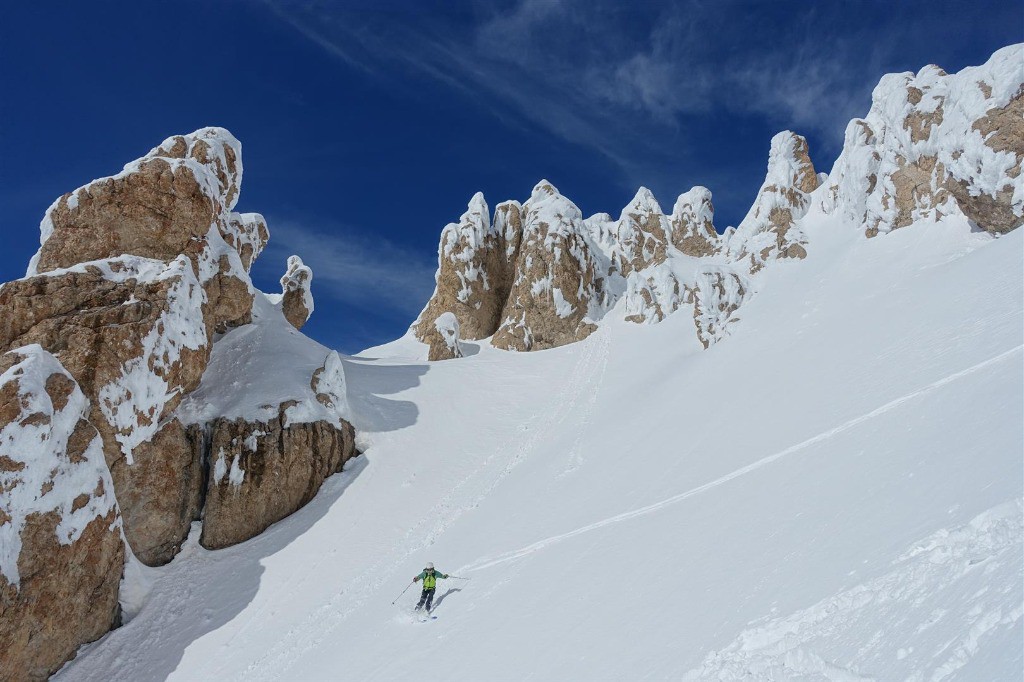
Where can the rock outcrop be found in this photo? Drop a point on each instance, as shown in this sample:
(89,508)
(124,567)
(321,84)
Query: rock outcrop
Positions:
(139,280)
(270,435)
(716,295)
(642,234)
(555,277)
(264,471)
(61,552)
(444,339)
(296,295)
(135,335)
(692,221)
(934,144)
(769,230)
(474,269)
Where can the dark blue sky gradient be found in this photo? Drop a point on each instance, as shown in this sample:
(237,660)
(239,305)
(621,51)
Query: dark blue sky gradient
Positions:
(366,126)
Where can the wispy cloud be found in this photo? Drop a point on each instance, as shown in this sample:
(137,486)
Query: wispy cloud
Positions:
(618,79)
(369,273)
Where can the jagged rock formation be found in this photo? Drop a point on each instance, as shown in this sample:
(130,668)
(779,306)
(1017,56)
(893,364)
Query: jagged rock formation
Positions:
(296,295)
(768,231)
(61,551)
(556,277)
(716,295)
(934,144)
(641,234)
(693,228)
(444,339)
(111,333)
(474,271)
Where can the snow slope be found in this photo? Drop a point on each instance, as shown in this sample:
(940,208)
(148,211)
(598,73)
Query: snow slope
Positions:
(832,492)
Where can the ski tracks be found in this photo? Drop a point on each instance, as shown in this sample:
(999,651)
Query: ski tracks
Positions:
(319,625)
(743,471)
(592,386)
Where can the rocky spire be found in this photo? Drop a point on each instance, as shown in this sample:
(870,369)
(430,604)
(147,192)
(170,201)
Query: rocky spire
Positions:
(767,232)
(692,221)
(296,295)
(473,270)
(555,277)
(641,233)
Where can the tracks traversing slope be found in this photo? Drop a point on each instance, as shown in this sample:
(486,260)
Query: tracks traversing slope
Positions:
(465,495)
(764,461)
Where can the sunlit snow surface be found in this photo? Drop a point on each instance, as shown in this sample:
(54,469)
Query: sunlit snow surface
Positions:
(832,492)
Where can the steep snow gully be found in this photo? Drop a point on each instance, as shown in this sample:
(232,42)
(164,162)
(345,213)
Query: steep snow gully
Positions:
(830,493)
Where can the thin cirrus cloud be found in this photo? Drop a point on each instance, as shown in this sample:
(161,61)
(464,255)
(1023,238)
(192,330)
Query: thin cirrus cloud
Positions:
(352,269)
(604,75)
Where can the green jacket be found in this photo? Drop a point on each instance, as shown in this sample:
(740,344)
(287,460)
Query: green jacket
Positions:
(430,581)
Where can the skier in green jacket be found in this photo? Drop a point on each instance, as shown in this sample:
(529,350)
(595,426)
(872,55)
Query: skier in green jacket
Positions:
(429,577)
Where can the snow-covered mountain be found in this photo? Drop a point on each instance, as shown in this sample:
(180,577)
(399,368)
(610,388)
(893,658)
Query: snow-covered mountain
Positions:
(932,145)
(789,451)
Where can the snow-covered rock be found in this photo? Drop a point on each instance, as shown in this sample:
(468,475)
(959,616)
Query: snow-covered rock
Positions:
(641,234)
(263,471)
(153,208)
(247,233)
(474,270)
(274,415)
(296,294)
(692,221)
(61,552)
(652,297)
(716,295)
(444,340)
(135,335)
(770,230)
(555,277)
(933,144)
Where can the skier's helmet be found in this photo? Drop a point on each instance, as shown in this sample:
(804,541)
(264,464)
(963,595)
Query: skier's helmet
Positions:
(429,566)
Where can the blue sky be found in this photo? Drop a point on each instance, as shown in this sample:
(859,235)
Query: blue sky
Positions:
(366,126)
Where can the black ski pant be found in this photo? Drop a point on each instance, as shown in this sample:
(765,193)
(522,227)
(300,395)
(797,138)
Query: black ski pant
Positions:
(426,598)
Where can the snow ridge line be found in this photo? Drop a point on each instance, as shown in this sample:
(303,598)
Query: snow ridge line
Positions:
(764,461)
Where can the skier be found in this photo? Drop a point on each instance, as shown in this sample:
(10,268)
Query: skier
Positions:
(429,577)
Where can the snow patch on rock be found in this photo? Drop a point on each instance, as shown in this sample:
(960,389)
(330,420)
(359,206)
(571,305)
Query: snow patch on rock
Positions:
(42,469)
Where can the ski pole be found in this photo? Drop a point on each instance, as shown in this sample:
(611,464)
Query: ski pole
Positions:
(455,577)
(403,592)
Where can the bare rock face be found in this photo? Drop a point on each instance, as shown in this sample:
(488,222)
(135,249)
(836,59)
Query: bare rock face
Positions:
(555,277)
(768,232)
(161,491)
(296,296)
(716,295)
(262,472)
(444,340)
(61,553)
(935,144)
(474,270)
(151,209)
(692,221)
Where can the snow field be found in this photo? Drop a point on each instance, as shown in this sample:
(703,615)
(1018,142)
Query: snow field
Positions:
(832,492)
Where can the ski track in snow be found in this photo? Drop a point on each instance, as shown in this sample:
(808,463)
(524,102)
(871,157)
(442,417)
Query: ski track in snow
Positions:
(765,461)
(593,386)
(292,647)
